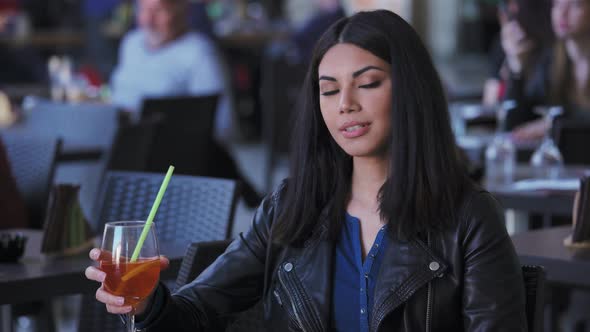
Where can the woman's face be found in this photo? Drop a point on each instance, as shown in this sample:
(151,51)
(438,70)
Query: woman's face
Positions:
(355,99)
(571,18)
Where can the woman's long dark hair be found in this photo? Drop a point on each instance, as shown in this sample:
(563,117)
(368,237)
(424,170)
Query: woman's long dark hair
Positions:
(426,177)
(534,16)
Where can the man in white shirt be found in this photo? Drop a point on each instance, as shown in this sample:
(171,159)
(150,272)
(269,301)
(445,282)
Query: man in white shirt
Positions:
(164,58)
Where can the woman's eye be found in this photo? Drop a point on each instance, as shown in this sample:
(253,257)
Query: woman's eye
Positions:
(371,85)
(329,93)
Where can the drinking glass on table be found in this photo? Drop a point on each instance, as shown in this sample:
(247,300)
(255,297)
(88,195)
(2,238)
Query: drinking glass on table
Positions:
(133,278)
(547,160)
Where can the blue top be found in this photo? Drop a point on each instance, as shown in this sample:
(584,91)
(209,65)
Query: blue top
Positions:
(354,280)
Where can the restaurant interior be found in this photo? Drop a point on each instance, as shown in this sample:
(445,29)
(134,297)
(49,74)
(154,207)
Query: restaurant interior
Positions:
(99,97)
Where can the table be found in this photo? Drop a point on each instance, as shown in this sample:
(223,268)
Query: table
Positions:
(87,129)
(49,39)
(545,247)
(35,278)
(547,202)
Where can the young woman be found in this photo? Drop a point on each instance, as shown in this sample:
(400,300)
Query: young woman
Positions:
(378,227)
(523,41)
(564,78)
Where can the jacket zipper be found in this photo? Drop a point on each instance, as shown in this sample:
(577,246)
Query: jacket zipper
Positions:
(429,307)
(429,294)
(293,306)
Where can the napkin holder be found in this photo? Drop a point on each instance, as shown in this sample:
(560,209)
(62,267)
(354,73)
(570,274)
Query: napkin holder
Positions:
(66,230)
(580,237)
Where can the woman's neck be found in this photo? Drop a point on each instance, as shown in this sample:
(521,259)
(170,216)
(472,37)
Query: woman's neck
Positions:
(368,176)
(578,52)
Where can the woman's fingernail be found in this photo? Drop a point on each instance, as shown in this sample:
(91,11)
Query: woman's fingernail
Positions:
(102,277)
(94,254)
(120,301)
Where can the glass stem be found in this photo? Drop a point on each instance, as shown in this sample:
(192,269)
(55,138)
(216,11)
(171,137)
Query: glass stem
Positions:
(131,322)
(549,125)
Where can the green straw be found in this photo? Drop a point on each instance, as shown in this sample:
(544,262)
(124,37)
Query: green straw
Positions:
(150,219)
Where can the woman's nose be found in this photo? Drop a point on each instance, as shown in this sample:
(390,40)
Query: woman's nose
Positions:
(348,102)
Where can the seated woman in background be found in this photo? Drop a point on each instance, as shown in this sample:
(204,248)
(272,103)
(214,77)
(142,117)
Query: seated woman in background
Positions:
(564,77)
(13,213)
(524,39)
(378,227)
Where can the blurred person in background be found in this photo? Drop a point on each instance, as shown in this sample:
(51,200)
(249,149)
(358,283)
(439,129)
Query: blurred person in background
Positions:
(163,58)
(19,63)
(329,11)
(563,78)
(13,213)
(101,50)
(523,41)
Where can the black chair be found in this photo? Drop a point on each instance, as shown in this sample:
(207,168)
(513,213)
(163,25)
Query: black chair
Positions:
(198,257)
(282,77)
(534,281)
(570,135)
(185,139)
(132,145)
(193,209)
(185,135)
(32,160)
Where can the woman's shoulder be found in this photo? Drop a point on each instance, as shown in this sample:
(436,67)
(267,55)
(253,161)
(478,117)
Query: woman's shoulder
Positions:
(267,210)
(480,212)
(477,200)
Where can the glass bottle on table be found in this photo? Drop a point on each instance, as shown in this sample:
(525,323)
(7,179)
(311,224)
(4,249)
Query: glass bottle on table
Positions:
(500,154)
(547,160)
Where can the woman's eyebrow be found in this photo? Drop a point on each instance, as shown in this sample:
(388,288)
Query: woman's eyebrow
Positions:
(327,78)
(354,75)
(361,71)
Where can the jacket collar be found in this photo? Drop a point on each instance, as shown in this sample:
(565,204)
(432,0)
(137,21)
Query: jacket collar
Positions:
(407,267)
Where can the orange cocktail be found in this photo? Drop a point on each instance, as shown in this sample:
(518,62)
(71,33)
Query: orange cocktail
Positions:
(133,281)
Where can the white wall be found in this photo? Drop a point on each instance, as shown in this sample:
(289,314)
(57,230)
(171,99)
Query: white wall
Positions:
(401,7)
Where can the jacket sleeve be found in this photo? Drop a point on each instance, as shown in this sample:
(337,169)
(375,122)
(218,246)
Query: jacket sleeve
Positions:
(493,292)
(233,283)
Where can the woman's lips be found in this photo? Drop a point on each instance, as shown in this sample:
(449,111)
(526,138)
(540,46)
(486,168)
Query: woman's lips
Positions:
(354,129)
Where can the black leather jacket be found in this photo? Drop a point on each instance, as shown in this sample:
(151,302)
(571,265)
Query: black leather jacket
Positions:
(463,279)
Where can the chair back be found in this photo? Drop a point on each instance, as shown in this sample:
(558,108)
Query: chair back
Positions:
(282,78)
(132,145)
(32,159)
(185,134)
(534,281)
(199,256)
(193,209)
(570,136)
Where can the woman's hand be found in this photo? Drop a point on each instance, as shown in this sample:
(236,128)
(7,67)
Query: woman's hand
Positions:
(517,46)
(115,304)
(530,131)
